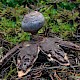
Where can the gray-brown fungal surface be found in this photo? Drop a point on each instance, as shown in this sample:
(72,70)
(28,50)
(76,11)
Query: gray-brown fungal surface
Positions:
(32,22)
(26,58)
(29,53)
(53,51)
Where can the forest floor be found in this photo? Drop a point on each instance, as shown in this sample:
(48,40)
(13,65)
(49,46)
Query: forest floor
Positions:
(64,20)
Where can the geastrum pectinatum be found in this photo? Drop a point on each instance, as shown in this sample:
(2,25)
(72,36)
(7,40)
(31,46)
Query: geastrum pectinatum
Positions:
(49,46)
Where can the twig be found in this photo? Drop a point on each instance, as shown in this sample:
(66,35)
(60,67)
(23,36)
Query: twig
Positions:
(51,76)
(55,75)
(8,54)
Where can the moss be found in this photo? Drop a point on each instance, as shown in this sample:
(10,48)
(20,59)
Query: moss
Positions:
(61,19)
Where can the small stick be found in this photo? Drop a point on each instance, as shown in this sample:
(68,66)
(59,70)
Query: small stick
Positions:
(8,54)
(55,74)
(51,77)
